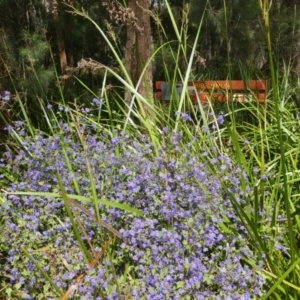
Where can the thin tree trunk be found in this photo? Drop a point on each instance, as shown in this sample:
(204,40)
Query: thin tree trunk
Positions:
(294,5)
(2,66)
(138,51)
(60,43)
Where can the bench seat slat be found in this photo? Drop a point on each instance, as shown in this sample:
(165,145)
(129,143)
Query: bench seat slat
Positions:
(221,97)
(224,84)
(218,90)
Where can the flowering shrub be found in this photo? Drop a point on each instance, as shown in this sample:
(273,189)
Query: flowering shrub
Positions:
(177,250)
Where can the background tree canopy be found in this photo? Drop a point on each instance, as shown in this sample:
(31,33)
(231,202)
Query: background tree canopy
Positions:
(36,33)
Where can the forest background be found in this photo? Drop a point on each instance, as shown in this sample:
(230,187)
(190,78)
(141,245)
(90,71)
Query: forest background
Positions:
(29,29)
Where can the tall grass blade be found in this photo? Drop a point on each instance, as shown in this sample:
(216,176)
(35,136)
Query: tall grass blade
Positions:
(281,279)
(84,250)
(57,291)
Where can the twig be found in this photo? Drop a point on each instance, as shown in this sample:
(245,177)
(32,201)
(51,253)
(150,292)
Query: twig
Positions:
(103,223)
(281,220)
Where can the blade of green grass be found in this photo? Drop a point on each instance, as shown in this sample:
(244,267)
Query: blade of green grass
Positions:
(57,291)
(108,203)
(84,250)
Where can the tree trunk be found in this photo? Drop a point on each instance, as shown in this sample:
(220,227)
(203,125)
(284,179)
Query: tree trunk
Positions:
(297,43)
(138,51)
(291,5)
(60,42)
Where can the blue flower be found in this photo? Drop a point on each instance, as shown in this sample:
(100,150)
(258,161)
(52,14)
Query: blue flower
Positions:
(6,96)
(220,118)
(184,116)
(98,102)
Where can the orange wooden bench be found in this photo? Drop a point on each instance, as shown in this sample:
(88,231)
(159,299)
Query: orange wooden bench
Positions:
(217,90)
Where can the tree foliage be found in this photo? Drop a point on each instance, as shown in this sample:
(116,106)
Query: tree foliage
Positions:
(231,29)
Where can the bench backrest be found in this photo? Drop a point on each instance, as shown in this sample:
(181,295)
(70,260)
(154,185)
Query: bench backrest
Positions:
(217,90)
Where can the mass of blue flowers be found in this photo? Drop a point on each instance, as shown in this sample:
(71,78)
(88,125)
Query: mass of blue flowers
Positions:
(178,249)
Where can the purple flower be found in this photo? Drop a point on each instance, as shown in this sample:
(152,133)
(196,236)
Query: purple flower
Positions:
(6,96)
(184,116)
(220,118)
(205,129)
(263,176)
(256,170)
(98,102)
(19,123)
(9,128)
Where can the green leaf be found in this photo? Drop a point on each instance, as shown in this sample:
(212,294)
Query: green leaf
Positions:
(224,228)
(180,284)
(8,291)
(122,206)
(17,286)
(46,287)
